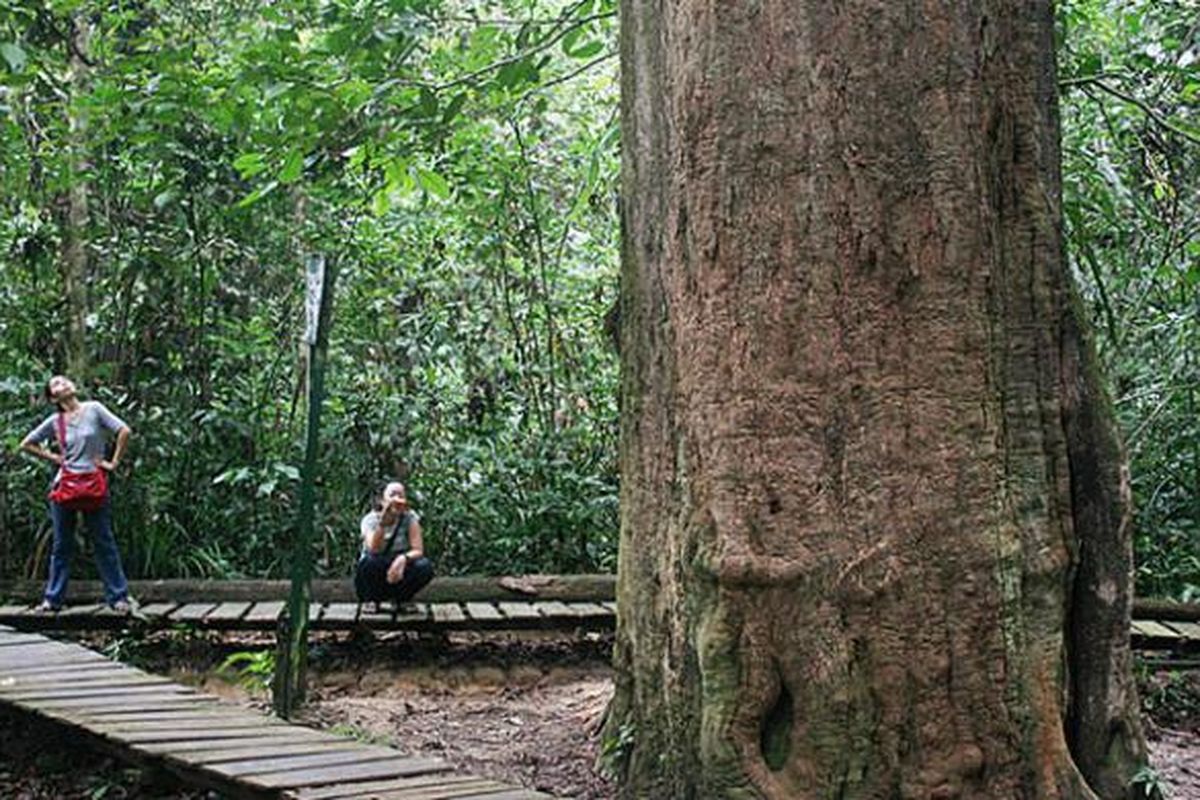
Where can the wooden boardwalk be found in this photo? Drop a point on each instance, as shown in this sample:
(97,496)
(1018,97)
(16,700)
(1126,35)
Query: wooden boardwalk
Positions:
(457,603)
(265,615)
(149,720)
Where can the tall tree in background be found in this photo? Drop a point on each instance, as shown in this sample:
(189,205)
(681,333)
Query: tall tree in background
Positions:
(74,261)
(874,535)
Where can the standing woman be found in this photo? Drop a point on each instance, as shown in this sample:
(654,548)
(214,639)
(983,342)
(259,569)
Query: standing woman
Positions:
(392,564)
(81,432)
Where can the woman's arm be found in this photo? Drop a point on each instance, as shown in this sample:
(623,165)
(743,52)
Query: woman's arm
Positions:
(39,450)
(32,443)
(416,547)
(118,451)
(374,535)
(415,550)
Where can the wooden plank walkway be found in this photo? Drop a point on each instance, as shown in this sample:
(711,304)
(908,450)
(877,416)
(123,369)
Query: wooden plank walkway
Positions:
(248,615)
(148,720)
(584,602)
(1149,634)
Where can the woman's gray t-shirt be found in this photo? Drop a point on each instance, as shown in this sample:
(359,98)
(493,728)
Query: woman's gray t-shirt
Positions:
(399,541)
(87,436)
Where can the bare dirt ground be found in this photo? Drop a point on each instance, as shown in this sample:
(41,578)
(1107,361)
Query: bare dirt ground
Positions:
(526,711)
(538,731)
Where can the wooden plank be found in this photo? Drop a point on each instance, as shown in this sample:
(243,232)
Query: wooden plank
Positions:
(181,748)
(1189,630)
(159,610)
(1153,630)
(173,725)
(264,612)
(86,610)
(17,610)
(193,734)
(18,650)
(586,609)
(86,680)
(482,612)
(14,639)
(252,749)
(228,612)
(447,613)
(192,612)
(133,693)
(410,613)
(522,612)
(338,791)
(213,717)
(290,779)
(173,702)
(276,763)
(473,788)
(15,658)
(510,794)
(64,669)
(97,703)
(556,609)
(610,606)
(340,613)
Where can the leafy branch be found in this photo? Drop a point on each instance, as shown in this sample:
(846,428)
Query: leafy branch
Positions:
(1154,115)
(556,35)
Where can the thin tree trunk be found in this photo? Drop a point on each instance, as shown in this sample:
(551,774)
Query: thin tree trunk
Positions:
(857,410)
(74,263)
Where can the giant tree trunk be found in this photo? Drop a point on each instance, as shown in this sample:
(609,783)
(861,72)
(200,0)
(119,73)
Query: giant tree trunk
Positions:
(874,534)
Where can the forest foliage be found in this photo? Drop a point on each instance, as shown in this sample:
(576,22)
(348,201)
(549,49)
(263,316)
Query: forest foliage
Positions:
(165,166)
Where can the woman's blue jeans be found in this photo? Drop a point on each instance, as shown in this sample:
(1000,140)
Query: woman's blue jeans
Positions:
(108,558)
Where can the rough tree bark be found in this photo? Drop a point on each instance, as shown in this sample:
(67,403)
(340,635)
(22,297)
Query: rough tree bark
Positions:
(874,534)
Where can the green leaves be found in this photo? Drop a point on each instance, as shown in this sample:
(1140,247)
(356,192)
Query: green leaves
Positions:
(477,270)
(14,56)
(249,165)
(573,47)
(293,167)
(433,183)
(1131,201)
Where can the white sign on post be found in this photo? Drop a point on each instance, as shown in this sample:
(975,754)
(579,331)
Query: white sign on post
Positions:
(314,273)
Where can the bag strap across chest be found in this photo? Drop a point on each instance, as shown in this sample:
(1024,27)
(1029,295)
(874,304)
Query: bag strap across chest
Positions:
(391,539)
(60,425)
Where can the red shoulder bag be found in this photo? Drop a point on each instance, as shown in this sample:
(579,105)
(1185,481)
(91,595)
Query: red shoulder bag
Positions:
(78,491)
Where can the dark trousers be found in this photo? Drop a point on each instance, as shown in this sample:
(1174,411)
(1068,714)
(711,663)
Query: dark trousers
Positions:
(108,558)
(371,584)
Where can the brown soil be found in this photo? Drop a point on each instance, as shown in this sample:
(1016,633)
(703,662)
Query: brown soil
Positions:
(1175,756)
(527,727)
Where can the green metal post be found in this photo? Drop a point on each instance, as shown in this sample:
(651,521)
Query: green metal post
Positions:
(292,660)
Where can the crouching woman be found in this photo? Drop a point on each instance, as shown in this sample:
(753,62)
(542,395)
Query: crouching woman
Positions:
(392,565)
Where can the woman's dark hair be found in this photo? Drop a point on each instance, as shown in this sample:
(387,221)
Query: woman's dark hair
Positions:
(381,487)
(46,393)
